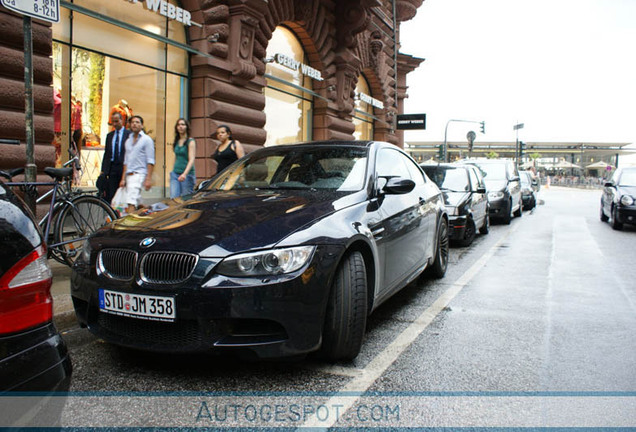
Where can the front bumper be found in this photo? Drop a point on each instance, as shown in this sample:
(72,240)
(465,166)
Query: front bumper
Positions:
(626,215)
(498,208)
(528,199)
(457,227)
(274,316)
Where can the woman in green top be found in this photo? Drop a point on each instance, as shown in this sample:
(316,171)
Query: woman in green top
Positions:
(182,177)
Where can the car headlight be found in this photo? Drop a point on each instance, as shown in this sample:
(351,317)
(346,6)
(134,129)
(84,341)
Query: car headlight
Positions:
(627,200)
(497,195)
(263,263)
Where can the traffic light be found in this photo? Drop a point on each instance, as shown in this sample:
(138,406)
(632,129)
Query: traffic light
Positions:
(483,127)
(440,155)
(522,147)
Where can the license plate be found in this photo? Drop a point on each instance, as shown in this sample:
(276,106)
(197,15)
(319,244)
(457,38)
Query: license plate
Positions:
(138,306)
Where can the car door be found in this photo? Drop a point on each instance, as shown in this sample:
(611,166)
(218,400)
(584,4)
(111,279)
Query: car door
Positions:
(479,200)
(403,221)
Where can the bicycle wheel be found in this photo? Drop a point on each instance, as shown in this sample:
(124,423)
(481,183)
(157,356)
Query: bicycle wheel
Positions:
(79,219)
(52,251)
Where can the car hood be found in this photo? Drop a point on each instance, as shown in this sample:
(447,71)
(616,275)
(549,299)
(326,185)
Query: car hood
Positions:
(628,190)
(455,199)
(216,223)
(495,185)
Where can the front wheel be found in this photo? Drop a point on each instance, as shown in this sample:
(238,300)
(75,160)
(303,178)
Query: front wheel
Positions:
(604,217)
(438,270)
(485,228)
(346,316)
(79,219)
(615,223)
(507,217)
(469,233)
(519,212)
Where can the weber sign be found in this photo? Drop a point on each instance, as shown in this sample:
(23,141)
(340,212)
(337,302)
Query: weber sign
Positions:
(47,10)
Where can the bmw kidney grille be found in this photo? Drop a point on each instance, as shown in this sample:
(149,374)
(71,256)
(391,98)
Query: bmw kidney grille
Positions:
(155,267)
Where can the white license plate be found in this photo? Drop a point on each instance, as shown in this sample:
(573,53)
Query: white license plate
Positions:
(138,306)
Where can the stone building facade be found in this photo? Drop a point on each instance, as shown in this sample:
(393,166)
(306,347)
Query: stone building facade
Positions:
(224,72)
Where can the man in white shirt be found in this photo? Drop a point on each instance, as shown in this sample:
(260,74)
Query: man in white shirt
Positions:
(139,163)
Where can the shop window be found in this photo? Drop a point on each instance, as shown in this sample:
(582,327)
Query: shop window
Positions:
(288,108)
(363,114)
(100,67)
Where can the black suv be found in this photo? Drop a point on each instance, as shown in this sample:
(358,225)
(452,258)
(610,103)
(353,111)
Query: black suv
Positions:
(503,186)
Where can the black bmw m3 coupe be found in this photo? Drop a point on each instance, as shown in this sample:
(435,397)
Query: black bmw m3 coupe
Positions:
(285,252)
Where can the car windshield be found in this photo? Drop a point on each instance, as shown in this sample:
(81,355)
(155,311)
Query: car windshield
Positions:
(494,171)
(328,168)
(525,179)
(453,179)
(628,178)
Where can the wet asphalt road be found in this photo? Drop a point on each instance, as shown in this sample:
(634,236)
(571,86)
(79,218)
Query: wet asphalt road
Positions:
(546,304)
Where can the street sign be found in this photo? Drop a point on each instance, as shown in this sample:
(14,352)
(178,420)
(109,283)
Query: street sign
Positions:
(518,126)
(47,10)
(411,121)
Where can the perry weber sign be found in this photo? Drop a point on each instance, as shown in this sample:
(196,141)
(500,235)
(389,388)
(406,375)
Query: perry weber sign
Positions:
(411,121)
(47,10)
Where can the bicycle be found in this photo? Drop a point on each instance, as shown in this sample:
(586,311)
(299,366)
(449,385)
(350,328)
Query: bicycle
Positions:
(74,215)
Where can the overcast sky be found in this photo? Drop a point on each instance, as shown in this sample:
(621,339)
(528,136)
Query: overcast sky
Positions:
(566,69)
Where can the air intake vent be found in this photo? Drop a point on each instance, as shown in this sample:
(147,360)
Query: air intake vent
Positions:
(117,263)
(167,267)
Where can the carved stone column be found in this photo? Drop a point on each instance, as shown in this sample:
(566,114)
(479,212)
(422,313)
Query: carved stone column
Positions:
(244,20)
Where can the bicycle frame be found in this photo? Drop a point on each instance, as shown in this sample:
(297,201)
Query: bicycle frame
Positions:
(56,206)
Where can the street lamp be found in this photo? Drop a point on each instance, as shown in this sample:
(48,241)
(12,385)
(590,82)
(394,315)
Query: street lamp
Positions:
(445,148)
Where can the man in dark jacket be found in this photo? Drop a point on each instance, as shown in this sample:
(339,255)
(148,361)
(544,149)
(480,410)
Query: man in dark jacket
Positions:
(113,162)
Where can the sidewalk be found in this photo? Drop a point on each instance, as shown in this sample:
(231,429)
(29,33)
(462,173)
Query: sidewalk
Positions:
(63,313)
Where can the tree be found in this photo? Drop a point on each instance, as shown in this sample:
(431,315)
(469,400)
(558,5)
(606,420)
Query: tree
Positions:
(492,155)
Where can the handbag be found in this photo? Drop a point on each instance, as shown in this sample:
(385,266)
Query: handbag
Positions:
(119,203)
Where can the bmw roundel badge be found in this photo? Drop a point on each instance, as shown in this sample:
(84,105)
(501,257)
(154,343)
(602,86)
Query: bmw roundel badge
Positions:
(147,242)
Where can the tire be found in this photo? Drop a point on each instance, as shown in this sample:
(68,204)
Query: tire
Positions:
(615,224)
(469,233)
(519,212)
(604,217)
(81,218)
(485,228)
(346,317)
(438,269)
(507,217)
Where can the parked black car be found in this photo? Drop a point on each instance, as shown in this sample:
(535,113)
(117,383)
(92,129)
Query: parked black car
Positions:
(285,252)
(618,200)
(465,198)
(503,185)
(528,193)
(33,356)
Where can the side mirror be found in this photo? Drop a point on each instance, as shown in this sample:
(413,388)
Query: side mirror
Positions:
(481,190)
(398,185)
(515,178)
(609,184)
(201,185)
